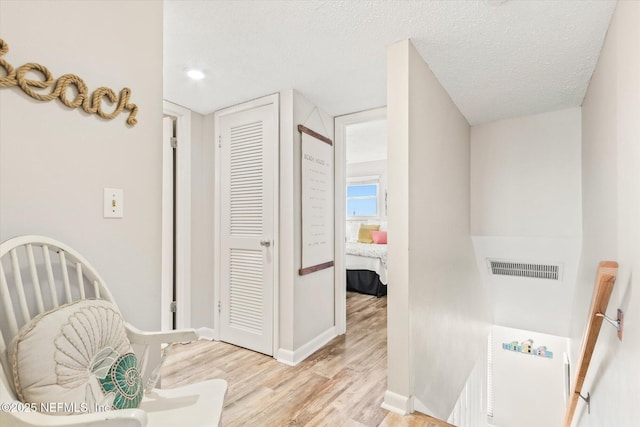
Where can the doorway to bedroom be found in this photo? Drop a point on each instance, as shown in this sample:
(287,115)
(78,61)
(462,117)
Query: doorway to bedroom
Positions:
(361,208)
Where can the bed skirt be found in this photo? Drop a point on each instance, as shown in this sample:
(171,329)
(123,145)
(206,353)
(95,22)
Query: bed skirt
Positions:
(366,282)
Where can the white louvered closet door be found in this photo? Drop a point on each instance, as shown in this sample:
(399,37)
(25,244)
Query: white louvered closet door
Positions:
(247,148)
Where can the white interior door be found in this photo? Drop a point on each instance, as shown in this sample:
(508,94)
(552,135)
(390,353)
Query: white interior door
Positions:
(247,148)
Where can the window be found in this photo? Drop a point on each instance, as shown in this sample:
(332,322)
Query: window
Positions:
(362,197)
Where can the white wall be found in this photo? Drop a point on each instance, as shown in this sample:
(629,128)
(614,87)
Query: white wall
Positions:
(203,304)
(531,304)
(525,176)
(314,293)
(526,206)
(611,208)
(306,303)
(528,391)
(55,161)
(429,188)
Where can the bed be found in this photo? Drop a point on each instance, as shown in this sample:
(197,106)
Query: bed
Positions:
(366,268)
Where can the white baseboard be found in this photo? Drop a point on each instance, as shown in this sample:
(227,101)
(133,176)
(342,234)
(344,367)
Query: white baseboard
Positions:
(285,356)
(397,403)
(207,334)
(292,358)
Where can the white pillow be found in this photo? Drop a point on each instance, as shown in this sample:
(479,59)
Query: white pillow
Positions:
(76,359)
(352,229)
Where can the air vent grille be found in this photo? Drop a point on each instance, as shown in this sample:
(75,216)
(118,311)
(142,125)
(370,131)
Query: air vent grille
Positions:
(524,269)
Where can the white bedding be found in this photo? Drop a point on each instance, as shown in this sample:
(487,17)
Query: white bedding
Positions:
(366,256)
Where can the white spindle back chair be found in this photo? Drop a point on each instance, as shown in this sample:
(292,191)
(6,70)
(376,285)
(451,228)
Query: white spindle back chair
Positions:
(38,274)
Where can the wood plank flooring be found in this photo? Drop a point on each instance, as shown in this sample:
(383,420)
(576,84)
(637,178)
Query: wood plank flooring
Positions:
(342,384)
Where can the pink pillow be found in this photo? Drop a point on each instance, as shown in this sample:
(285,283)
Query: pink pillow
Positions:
(379,237)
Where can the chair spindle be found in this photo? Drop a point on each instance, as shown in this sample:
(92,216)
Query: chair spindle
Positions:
(96,289)
(17,277)
(65,276)
(52,282)
(80,279)
(34,279)
(6,303)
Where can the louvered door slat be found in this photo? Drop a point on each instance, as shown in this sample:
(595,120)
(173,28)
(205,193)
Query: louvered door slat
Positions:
(246,290)
(245,166)
(245,169)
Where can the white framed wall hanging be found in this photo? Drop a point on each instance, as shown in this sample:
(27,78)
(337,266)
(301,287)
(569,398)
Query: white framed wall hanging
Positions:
(317,201)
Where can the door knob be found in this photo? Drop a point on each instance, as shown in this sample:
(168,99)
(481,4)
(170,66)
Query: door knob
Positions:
(265,243)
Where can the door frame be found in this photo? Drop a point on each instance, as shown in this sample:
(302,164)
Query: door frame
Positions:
(275,244)
(341,123)
(183,218)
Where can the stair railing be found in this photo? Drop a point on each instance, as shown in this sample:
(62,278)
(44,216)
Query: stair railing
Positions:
(605,279)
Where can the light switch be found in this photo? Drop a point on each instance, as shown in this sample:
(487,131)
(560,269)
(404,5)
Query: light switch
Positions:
(113,203)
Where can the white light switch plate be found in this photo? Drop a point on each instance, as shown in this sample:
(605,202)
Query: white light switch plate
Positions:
(113,203)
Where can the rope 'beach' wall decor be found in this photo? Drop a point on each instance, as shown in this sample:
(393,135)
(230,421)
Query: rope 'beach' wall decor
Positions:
(91,104)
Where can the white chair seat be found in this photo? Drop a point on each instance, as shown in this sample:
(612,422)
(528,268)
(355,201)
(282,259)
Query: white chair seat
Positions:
(188,405)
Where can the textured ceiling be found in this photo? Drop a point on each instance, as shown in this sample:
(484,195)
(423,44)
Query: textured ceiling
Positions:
(367,141)
(496,58)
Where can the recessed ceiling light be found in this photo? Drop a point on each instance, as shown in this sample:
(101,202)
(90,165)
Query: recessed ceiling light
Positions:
(195,74)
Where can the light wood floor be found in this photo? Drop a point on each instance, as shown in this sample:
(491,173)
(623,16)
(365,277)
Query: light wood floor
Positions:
(342,384)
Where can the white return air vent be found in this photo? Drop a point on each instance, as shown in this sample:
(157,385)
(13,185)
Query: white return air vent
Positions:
(524,269)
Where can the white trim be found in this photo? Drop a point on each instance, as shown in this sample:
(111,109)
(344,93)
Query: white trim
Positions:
(292,358)
(276,226)
(207,334)
(183,212)
(216,227)
(340,161)
(285,356)
(363,179)
(397,403)
(166,292)
(275,241)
